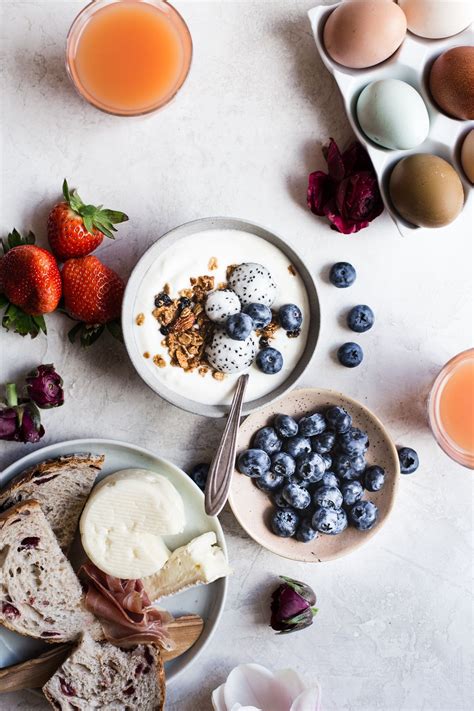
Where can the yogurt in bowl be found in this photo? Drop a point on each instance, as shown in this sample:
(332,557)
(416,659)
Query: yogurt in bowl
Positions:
(175,276)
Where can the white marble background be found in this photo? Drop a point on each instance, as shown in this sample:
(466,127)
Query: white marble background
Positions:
(394,631)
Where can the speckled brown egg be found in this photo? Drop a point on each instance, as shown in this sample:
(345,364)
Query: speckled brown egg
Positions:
(452,82)
(426,190)
(361,33)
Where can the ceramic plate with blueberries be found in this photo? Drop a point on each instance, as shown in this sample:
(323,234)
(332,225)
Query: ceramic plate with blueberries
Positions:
(316,475)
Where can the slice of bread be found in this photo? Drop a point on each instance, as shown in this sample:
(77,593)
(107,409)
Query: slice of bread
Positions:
(98,675)
(40,595)
(61,486)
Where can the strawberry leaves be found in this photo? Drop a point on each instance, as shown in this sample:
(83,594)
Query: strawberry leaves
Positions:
(89,333)
(14,319)
(15,239)
(94,218)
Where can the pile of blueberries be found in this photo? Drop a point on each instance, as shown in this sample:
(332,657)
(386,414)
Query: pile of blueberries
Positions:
(256,317)
(315,472)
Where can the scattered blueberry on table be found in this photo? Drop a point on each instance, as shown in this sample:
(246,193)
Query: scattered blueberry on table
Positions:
(342,275)
(350,355)
(360,318)
(409,461)
(199,475)
(315,472)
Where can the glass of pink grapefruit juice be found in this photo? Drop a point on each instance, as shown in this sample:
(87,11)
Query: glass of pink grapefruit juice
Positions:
(128,57)
(451,408)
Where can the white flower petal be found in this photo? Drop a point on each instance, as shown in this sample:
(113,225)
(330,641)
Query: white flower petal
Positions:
(239,707)
(309,700)
(218,701)
(253,685)
(292,682)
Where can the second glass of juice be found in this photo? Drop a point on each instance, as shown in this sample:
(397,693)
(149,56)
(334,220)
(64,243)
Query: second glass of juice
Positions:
(128,57)
(451,408)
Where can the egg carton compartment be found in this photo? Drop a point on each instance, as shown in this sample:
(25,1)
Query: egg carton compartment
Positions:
(411,63)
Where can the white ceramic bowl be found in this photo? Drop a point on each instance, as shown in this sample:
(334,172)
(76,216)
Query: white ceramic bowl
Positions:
(205,600)
(129,312)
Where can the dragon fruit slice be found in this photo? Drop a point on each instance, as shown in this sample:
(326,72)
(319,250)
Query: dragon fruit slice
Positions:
(229,356)
(220,304)
(253,283)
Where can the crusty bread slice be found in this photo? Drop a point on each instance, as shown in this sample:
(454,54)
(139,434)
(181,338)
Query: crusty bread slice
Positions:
(61,486)
(98,675)
(40,595)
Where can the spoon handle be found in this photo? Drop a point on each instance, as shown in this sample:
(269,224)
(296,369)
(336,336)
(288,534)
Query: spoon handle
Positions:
(222,467)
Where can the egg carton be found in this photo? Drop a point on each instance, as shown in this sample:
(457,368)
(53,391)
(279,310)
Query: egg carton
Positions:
(410,63)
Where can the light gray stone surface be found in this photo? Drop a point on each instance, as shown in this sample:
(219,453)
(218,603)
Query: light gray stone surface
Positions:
(394,631)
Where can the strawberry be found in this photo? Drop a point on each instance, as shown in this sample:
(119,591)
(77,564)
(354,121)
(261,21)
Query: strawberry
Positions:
(93,295)
(30,284)
(75,229)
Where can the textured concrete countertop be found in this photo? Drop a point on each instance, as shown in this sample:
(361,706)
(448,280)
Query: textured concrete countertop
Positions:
(395,628)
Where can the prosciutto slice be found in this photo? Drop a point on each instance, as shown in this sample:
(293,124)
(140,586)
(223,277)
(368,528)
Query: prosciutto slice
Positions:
(124,610)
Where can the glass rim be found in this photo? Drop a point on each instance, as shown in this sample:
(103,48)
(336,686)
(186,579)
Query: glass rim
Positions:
(458,454)
(86,96)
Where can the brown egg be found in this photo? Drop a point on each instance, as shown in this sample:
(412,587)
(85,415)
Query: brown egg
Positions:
(452,82)
(467,155)
(426,190)
(361,33)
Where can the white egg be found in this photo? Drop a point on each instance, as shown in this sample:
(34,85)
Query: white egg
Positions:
(437,18)
(393,114)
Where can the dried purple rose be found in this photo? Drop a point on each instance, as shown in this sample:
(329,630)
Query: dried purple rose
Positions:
(20,420)
(292,606)
(348,194)
(44,386)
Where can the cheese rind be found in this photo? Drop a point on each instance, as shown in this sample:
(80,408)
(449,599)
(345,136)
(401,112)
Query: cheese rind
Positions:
(199,562)
(123,521)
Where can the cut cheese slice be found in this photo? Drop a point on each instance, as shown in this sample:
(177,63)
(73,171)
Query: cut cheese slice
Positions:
(199,562)
(123,521)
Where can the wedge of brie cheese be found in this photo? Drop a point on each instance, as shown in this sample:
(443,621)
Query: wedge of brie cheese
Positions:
(124,520)
(199,562)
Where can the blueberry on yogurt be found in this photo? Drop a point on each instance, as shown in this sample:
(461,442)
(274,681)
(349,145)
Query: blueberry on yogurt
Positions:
(260,314)
(269,361)
(290,317)
(239,327)
(253,462)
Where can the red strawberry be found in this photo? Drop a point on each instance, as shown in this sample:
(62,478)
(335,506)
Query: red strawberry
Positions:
(30,283)
(75,229)
(93,294)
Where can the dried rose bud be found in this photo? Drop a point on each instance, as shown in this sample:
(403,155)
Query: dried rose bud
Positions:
(8,424)
(20,421)
(292,606)
(44,387)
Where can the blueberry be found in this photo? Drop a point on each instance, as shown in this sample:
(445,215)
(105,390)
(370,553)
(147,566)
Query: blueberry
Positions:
(360,318)
(269,361)
(199,475)
(329,479)
(285,426)
(305,532)
(285,522)
(296,496)
(260,314)
(283,464)
(253,462)
(374,478)
(363,515)
(338,419)
(359,464)
(352,491)
(328,497)
(269,481)
(324,520)
(278,500)
(342,275)
(342,467)
(327,459)
(341,523)
(350,355)
(354,441)
(267,439)
(290,317)
(239,327)
(310,467)
(324,442)
(312,425)
(297,445)
(409,461)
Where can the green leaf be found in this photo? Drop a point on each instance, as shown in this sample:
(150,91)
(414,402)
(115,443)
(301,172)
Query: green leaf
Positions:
(11,393)
(115,329)
(14,319)
(15,239)
(66,194)
(88,333)
(3,301)
(74,331)
(115,216)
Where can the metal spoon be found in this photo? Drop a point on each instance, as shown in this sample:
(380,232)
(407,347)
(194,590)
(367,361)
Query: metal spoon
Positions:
(222,466)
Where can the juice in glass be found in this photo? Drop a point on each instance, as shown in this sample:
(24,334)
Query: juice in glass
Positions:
(451,408)
(128,57)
